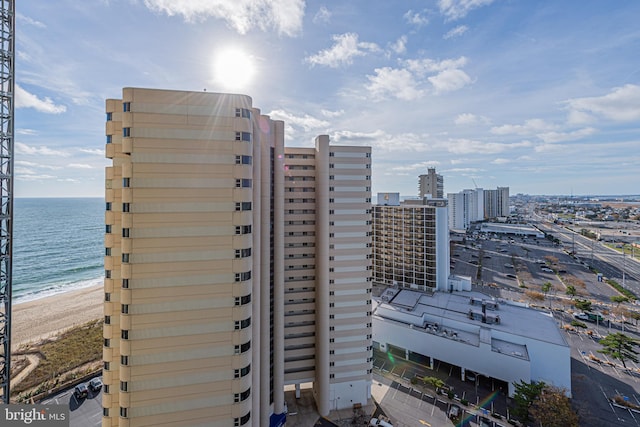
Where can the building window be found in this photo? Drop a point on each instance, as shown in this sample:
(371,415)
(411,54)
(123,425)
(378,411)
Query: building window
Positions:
(107,274)
(125,283)
(107,228)
(241,277)
(124,386)
(109,139)
(124,334)
(125,309)
(243,348)
(123,412)
(243,160)
(107,343)
(108,206)
(126,132)
(105,411)
(243,300)
(126,207)
(109,117)
(242,420)
(124,360)
(125,232)
(243,112)
(126,182)
(107,296)
(242,324)
(106,388)
(243,136)
(243,183)
(243,229)
(241,397)
(243,206)
(243,253)
(107,365)
(107,320)
(239,373)
(126,107)
(125,258)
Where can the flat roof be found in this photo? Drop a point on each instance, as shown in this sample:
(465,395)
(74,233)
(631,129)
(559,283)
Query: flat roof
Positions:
(450,312)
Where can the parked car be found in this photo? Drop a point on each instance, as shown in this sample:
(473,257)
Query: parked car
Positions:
(454,411)
(95,384)
(581,316)
(81,391)
(379,422)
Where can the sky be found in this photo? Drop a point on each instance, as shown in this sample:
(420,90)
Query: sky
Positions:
(539,96)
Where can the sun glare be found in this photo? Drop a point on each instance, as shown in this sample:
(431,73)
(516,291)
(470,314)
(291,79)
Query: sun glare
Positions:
(233,69)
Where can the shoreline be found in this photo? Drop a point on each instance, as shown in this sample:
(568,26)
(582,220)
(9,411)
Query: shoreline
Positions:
(44,317)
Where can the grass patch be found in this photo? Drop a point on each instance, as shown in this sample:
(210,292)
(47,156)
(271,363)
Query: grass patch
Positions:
(74,348)
(626,292)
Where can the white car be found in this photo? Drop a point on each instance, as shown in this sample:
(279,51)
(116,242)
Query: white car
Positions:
(581,316)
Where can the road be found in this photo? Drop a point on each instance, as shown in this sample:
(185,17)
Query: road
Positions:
(82,412)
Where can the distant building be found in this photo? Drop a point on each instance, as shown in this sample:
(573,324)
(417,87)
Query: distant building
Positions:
(465,208)
(431,185)
(410,243)
(496,203)
(234,265)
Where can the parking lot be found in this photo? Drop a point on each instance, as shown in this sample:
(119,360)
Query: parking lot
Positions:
(83,412)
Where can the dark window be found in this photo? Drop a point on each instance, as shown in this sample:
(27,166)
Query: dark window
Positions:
(125,283)
(125,232)
(107,228)
(126,182)
(243,136)
(124,334)
(105,411)
(124,360)
(107,320)
(243,300)
(126,207)
(107,296)
(241,397)
(125,309)
(123,411)
(241,277)
(109,139)
(243,112)
(239,349)
(125,258)
(107,343)
(126,106)
(126,132)
(239,373)
(242,324)
(108,206)
(243,160)
(107,273)
(123,386)
(243,183)
(109,117)
(107,365)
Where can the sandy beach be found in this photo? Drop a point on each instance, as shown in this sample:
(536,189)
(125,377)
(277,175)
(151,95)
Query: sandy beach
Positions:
(47,316)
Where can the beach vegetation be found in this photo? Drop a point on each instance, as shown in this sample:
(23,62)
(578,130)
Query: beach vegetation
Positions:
(60,357)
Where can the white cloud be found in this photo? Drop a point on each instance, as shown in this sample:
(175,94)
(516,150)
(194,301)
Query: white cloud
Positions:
(306,122)
(381,140)
(345,48)
(531,126)
(456,9)
(551,137)
(470,119)
(79,166)
(25,99)
(22,148)
(415,166)
(425,65)
(416,18)
(621,104)
(323,15)
(400,45)
(332,114)
(469,146)
(456,32)
(396,82)
(29,21)
(95,151)
(285,16)
(26,131)
(501,161)
(449,80)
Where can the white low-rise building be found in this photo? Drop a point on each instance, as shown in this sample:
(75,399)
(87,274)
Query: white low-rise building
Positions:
(495,338)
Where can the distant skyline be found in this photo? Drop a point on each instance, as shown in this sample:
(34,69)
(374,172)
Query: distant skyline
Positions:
(542,97)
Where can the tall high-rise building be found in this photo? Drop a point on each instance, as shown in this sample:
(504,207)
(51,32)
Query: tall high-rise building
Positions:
(496,202)
(411,243)
(233,265)
(431,185)
(465,207)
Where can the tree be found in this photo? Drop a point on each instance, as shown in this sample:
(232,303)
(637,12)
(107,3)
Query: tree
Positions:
(583,304)
(620,346)
(552,408)
(571,291)
(618,299)
(524,396)
(546,287)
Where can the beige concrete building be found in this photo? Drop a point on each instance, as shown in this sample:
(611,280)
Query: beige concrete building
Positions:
(411,243)
(431,185)
(233,266)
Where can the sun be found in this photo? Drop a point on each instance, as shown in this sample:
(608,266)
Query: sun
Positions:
(233,69)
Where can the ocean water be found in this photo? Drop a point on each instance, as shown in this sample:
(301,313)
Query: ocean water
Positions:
(58,246)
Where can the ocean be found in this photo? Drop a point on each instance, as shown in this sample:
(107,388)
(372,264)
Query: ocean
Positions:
(58,246)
